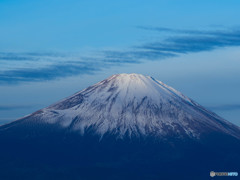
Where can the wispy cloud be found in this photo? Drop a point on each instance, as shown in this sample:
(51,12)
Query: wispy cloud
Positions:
(188,41)
(27,67)
(226,107)
(169,30)
(23,67)
(32,66)
(14,107)
(46,73)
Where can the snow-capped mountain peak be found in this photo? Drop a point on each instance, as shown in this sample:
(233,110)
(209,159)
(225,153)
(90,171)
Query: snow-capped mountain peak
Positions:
(132,105)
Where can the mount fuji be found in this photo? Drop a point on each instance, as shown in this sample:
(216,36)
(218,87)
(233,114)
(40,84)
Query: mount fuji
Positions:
(125,127)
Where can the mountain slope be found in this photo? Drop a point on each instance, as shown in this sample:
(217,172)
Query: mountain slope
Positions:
(133,105)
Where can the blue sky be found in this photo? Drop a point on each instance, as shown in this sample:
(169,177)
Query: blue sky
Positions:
(47,45)
(72,24)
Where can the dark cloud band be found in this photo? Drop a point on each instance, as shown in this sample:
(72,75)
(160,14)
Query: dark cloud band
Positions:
(56,65)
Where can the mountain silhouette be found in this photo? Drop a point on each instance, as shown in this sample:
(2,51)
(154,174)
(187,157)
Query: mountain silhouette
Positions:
(128,126)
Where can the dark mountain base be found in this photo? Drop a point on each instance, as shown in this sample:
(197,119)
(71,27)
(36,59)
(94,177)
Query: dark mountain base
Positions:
(68,156)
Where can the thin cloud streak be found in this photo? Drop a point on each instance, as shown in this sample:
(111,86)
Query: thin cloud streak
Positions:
(194,41)
(46,73)
(227,107)
(14,107)
(34,66)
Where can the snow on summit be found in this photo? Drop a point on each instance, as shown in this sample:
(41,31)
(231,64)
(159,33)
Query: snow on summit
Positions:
(133,105)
